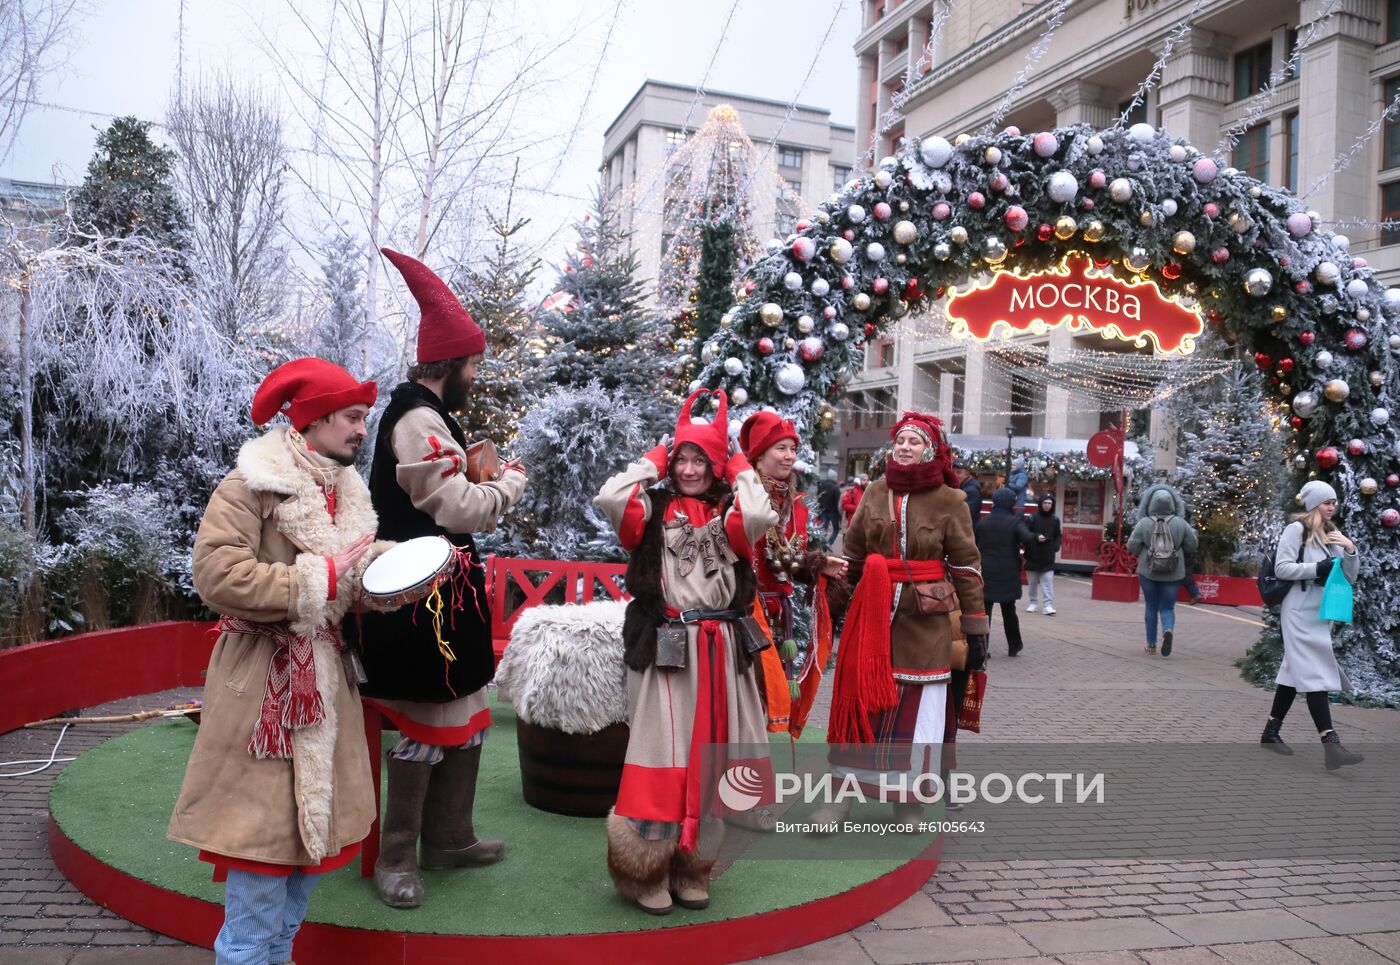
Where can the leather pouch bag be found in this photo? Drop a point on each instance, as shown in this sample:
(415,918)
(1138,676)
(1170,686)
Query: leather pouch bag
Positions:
(671,646)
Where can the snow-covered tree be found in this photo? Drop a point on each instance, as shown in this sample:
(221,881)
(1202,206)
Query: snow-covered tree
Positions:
(129,187)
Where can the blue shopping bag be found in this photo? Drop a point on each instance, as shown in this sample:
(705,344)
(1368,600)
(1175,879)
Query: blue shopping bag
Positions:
(1336,597)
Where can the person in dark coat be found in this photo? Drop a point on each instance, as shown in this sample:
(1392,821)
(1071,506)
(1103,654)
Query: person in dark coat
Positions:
(1001,534)
(829,505)
(972,489)
(1040,555)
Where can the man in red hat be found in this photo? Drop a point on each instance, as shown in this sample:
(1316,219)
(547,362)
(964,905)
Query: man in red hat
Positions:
(781,560)
(433,688)
(278,789)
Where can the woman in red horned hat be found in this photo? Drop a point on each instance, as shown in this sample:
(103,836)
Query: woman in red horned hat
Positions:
(691,681)
(782,560)
(913,552)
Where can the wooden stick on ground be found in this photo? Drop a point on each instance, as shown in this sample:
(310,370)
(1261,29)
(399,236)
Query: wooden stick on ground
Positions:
(118,719)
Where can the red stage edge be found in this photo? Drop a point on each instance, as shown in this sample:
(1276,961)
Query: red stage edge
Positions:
(197,922)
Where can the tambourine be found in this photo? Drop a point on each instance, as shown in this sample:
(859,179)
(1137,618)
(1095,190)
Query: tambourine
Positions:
(483,464)
(409,571)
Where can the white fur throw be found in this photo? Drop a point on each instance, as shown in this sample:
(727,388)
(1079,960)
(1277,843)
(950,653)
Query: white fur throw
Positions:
(563,667)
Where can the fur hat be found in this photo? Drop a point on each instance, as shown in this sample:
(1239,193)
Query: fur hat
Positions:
(711,438)
(446,330)
(1314,494)
(306,389)
(762,431)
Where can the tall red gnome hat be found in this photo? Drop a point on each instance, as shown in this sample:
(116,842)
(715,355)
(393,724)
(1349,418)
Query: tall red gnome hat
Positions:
(762,431)
(446,330)
(711,438)
(306,389)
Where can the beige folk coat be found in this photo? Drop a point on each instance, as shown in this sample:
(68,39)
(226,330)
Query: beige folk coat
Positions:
(260,555)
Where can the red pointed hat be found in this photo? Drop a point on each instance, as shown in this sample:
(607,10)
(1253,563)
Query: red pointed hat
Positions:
(306,389)
(446,331)
(711,438)
(762,431)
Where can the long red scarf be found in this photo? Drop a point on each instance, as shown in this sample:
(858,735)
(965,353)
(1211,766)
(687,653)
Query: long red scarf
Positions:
(864,682)
(290,699)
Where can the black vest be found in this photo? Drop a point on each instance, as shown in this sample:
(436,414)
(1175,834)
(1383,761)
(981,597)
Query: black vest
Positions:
(400,653)
(647,611)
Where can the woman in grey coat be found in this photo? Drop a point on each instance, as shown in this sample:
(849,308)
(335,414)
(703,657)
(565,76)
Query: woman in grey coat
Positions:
(1159,585)
(1308,549)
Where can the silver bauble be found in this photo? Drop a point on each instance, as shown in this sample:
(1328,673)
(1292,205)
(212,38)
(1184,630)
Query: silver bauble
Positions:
(1177,153)
(733,366)
(739,396)
(994,251)
(1391,300)
(792,281)
(790,378)
(875,251)
(1138,260)
(1342,242)
(1120,189)
(1368,486)
(1142,133)
(1357,288)
(1323,359)
(820,287)
(805,324)
(840,331)
(1300,461)
(935,151)
(1169,207)
(861,301)
(1305,404)
(1258,282)
(1094,145)
(958,235)
(841,251)
(1377,379)
(883,179)
(1327,273)
(1063,187)
(855,214)
(942,251)
(1380,416)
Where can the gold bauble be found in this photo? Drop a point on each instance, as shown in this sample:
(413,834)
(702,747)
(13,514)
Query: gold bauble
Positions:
(905,232)
(771,314)
(861,301)
(1145,219)
(1278,313)
(1367,486)
(1065,227)
(1183,242)
(1093,231)
(726,320)
(962,139)
(901,258)
(958,235)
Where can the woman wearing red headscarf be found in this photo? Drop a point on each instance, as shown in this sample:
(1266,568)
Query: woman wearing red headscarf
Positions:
(912,549)
(781,560)
(691,680)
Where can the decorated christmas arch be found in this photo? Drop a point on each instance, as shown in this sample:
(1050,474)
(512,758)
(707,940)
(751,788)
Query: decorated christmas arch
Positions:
(1016,218)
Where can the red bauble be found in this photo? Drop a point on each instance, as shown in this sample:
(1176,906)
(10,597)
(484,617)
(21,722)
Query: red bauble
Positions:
(913,290)
(1303,287)
(1286,365)
(976,200)
(882,212)
(1220,255)
(1354,340)
(1171,269)
(880,285)
(1390,518)
(1393,481)
(811,349)
(1356,447)
(1285,261)
(1213,316)
(765,346)
(1045,232)
(1263,360)
(748,288)
(1016,218)
(869,328)
(1307,338)
(1296,422)
(802,225)
(1328,457)
(1087,204)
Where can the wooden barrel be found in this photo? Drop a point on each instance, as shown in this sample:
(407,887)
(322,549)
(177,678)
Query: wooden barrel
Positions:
(573,774)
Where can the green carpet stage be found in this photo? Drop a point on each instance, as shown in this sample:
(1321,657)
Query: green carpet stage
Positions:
(550,899)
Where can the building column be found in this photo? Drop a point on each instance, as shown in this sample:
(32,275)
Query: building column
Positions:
(1080,102)
(868,90)
(1336,102)
(1195,88)
(974,392)
(1057,398)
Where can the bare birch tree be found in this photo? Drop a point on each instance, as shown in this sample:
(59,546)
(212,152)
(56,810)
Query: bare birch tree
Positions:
(232,172)
(33,35)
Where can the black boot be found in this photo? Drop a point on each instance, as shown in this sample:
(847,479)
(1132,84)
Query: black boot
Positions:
(1334,754)
(448,838)
(396,872)
(1272,740)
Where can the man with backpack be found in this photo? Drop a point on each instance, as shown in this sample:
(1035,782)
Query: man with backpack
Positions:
(1161,539)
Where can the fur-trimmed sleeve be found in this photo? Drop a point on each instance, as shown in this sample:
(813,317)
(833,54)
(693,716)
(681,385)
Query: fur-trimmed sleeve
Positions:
(228,575)
(751,501)
(624,500)
(432,469)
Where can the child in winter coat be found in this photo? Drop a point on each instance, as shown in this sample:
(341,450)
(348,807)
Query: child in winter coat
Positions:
(1040,555)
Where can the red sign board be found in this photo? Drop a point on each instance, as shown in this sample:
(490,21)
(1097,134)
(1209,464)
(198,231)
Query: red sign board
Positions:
(1104,449)
(1132,311)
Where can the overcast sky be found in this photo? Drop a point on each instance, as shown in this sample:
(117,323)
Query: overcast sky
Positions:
(124,62)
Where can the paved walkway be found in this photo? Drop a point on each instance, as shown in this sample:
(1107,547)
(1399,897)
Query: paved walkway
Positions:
(1082,678)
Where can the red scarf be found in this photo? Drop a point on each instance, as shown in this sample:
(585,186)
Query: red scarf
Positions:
(915,478)
(864,683)
(290,700)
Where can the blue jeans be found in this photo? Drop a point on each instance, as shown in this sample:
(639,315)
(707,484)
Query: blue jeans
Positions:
(1160,598)
(262,914)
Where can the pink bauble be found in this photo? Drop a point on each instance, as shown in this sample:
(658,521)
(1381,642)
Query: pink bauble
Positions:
(1299,225)
(976,200)
(849,235)
(1087,204)
(1045,145)
(804,248)
(1097,179)
(1356,447)
(1354,340)
(1303,287)
(941,211)
(882,212)
(829,312)
(1220,255)
(1393,481)
(1358,262)
(1016,218)
(765,346)
(1204,170)
(803,224)
(1212,209)
(999,182)
(1014,131)
(1390,518)
(847,282)
(880,286)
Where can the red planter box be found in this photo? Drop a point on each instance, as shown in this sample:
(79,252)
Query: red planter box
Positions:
(1115,587)
(1226,591)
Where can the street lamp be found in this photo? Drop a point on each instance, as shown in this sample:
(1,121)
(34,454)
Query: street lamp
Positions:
(1010,431)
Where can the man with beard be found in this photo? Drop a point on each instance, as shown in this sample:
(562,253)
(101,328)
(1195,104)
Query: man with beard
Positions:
(277,790)
(428,675)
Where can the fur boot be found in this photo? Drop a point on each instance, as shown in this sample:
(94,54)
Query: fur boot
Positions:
(690,879)
(449,840)
(639,868)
